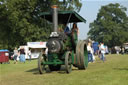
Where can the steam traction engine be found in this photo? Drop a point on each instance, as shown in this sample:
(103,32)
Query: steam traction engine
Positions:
(63,49)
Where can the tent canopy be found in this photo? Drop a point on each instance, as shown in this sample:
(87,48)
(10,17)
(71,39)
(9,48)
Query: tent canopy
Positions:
(64,17)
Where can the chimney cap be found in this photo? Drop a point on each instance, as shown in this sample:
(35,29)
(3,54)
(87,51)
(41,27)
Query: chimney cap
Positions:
(54,6)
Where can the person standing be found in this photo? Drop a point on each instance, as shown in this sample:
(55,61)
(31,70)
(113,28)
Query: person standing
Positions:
(122,50)
(102,48)
(22,55)
(75,29)
(93,56)
(66,30)
(74,35)
(15,55)
(29,54)
(99,51)
(89,49)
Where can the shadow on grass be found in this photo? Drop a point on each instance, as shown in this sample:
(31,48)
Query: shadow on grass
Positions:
(121,69)
(36,71)
(62,70)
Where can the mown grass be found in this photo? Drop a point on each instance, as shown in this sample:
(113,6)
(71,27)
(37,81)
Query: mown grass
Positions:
(113,72)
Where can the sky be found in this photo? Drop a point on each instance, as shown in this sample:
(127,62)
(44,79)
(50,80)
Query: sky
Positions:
(89,11)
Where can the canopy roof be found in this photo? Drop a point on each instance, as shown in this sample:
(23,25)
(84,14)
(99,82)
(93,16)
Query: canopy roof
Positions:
(64,17)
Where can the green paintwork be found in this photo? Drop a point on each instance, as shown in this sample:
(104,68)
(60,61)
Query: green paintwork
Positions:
(68,42)
(54,63)
(75,37)
(72,57)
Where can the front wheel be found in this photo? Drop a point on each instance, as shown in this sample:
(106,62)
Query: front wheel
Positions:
(41,66)
(68,62)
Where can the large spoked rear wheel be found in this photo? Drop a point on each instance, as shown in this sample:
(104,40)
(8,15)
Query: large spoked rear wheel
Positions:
(83,55)
(41,66)
(68,62)
(78,54)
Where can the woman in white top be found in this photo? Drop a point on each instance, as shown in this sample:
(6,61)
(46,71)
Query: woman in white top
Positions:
(102,48)
(90,51)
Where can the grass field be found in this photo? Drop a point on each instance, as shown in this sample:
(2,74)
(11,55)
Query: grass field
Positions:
(113,72)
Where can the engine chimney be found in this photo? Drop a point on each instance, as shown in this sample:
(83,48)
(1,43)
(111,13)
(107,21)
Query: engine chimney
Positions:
(55,17)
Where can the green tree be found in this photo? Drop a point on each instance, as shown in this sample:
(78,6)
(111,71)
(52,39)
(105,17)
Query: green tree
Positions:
(63,4)
(110,26)
(17,25)
(20,22)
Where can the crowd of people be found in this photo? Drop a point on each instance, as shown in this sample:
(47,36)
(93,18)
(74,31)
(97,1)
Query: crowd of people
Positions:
(101,52)
(21,54)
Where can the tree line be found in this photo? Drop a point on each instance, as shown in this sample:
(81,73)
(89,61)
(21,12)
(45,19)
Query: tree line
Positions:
(20,22)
